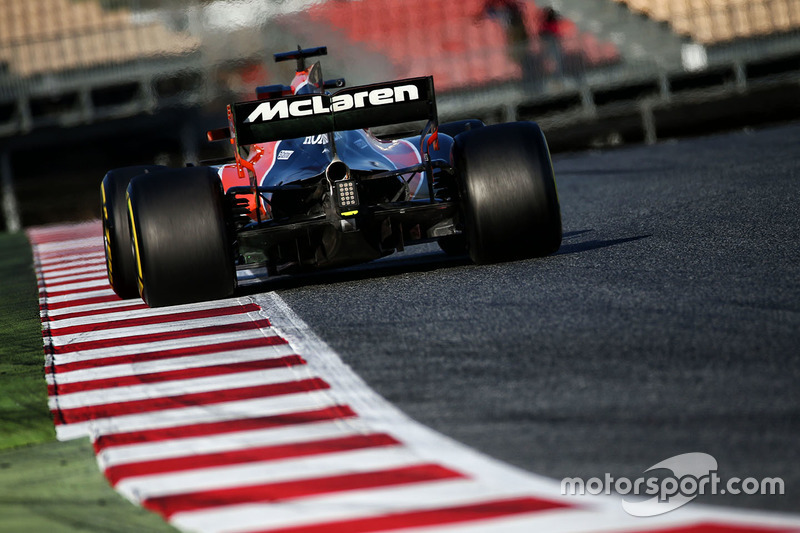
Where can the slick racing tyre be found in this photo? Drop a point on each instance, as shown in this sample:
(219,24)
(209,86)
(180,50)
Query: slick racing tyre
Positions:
(120,263)
(453,244)
(508,192)
(457,244)
(181,241)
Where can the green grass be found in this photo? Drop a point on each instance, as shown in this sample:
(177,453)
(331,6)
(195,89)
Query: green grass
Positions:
(45,485)
(24,417)
(56,487)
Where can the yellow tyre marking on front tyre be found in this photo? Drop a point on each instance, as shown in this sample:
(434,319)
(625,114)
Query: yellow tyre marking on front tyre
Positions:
(139,276)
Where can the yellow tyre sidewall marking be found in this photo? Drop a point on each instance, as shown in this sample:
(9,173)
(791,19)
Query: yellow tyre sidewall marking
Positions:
(135,237)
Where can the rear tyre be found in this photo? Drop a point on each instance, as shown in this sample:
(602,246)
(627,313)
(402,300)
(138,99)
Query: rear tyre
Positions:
(181,241)
(456,245)
(508,192)
(120,263)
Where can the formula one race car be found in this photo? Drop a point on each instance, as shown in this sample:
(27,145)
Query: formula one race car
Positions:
(310,187)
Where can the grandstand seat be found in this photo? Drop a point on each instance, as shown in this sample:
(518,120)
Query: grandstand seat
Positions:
(452,41)
(718,21)
(57,35)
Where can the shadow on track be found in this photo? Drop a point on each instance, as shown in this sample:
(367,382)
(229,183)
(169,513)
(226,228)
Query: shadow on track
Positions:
(425,262)
(585,246)
(606,171)
(393,266)
(570,234)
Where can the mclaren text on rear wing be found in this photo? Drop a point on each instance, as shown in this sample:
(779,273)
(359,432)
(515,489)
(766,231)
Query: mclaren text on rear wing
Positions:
(366,106)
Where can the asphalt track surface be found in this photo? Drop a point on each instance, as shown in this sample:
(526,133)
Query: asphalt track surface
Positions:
(669,321)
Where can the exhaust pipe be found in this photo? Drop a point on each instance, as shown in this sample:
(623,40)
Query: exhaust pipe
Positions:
(337,171)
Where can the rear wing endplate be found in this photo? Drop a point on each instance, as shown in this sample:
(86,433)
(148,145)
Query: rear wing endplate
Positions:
(366,106)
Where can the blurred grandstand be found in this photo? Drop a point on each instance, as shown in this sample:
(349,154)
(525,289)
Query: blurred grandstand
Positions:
(101,83)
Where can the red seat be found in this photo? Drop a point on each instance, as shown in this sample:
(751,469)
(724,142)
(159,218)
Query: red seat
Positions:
(452,41)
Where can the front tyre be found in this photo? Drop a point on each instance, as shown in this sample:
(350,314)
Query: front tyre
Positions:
(508,192)
(120,263)
(181,241)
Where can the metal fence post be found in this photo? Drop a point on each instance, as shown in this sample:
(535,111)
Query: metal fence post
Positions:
(10,206)
(648,122)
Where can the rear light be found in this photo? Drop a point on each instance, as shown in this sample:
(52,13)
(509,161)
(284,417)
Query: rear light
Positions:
(346,196)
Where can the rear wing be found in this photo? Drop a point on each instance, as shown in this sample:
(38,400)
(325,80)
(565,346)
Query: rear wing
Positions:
(366,106)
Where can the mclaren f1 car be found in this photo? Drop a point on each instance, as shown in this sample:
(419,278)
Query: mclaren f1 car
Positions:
(309,186)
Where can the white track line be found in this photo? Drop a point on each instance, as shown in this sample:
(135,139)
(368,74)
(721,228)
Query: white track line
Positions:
(149,391)
(76,286)
(146,347)
(144,331)
(129,314)
(120,305)
(150,451)
(313,467)
(77,296)
(58,246)
(166,365)
(79,274)
(77,261)
(225,411)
